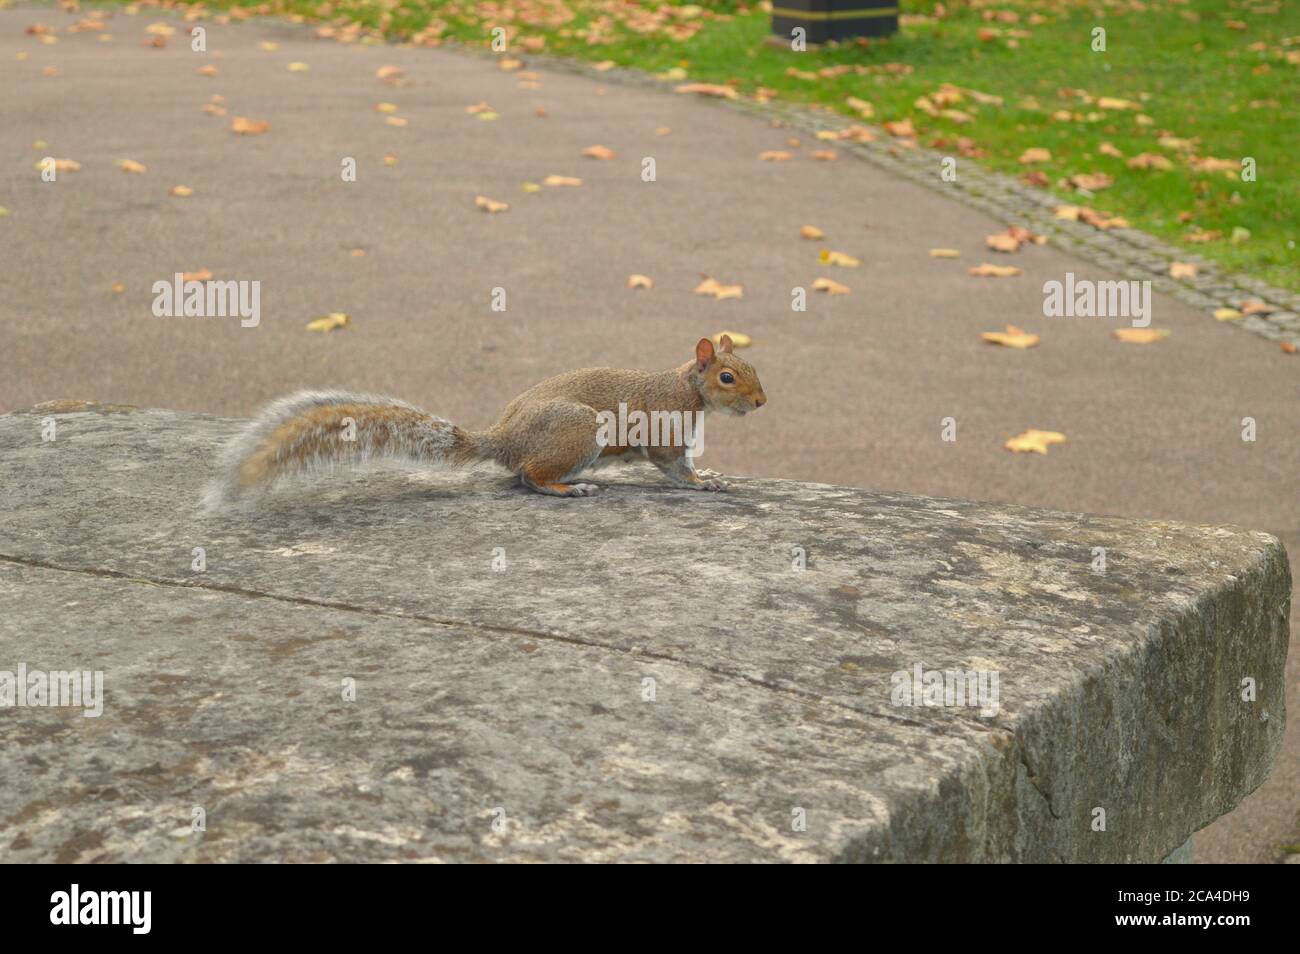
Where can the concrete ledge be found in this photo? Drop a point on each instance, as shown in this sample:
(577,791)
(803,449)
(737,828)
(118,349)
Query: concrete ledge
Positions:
(520,696)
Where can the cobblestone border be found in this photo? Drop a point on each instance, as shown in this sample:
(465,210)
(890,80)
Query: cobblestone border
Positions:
(1128,252)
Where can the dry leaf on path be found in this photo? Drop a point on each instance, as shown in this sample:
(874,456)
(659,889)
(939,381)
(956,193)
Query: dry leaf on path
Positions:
(711,286)
(994,271)
(1034,441)
(130,165)
(827,257)
(202,275)
(490,205)
(562,181)
(1227,314)
(1140,335)
(249,127)
(738,340)
(335,319)
(1013,337)
(640,281)
(775,155)
(1182,270)
(180,191)
(708,89)
(944,253)
(830,286)
(811,232)
(599,152)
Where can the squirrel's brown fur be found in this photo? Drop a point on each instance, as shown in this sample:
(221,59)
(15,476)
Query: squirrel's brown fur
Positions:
(547,435)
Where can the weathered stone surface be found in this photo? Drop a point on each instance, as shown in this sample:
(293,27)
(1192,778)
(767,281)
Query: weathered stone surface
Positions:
(521,692)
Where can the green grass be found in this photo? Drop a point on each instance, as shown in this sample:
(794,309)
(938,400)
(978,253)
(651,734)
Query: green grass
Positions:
(1231,92)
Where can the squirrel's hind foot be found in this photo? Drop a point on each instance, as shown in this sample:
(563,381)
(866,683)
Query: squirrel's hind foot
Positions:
(563,490)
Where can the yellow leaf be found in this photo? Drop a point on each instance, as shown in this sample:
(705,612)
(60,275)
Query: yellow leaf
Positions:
(488,116)
(811,232)
(562,181)
(1140,335)
(1182,270)
(202,275)
(738,340)
(479,107)
(297,67)
(181,191)
(1013,337)
(1002,242)
(268,46)
(531,187)
(1035,154)
(826,155)
(830,286)
(993,271)
(390,160)
(398,121)
(639,281)
(490,205)
(249,127)
(1034,441)
(598,152)
(335,319)
(707,89)
(944,253)
(118,288)
(510,64)
(711,286)
(385,107)
(1227,314)
(775,155)
(130,165)
(208,70)
(827,257)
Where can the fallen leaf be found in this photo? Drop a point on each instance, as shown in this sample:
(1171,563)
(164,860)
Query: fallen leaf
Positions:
(389,75)
(399,121)
(297,67)
(130,165)
(640,281)
(1013,337)
(1091,181)
(1035,154)
(599,152)
(775,155)
(1150,160)
(490,205)
(662,131)
(830,286)
(479,107)
(208,70)
(202,275)
(249,127)
(711,286)
(1034,441)
(825,155)
(1140,335)
(268,46)
(531,187)
(385,107)
(61,165)
(562,181)
(944,253)
(1227,314)
(1182,270)
(1289,347)
(1256,307)
(738,340)
(509,63)
(811,232)
(180,191)
(902,128)
(1002,242)
(390,160)
(118,288)
(993,271)
(335,319)
(708,89)
(827,257)
(1108,149)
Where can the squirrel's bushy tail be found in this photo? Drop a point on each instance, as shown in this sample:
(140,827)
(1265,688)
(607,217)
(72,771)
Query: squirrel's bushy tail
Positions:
(314,431)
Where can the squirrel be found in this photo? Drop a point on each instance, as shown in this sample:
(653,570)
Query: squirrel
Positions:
(547,436)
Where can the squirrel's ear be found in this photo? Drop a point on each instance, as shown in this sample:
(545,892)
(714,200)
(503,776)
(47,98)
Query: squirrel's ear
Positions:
(725,344)
(703,353)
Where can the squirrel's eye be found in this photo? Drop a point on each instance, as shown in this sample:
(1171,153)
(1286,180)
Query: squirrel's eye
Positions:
(726,377)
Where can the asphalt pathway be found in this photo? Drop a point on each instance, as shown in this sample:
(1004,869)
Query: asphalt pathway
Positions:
(858,385)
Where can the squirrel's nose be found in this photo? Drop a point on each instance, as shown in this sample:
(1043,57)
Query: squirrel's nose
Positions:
(760,400)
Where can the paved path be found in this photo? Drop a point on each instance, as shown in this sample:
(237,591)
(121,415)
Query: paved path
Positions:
(858,385)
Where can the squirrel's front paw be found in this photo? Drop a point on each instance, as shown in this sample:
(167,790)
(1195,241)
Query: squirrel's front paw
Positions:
(712,483)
